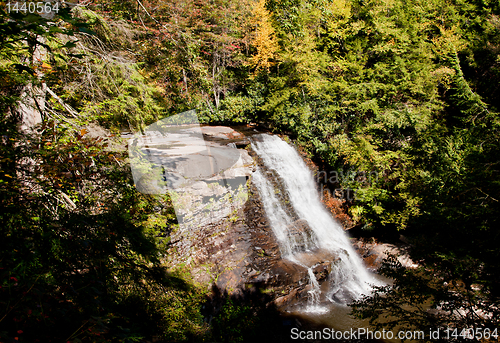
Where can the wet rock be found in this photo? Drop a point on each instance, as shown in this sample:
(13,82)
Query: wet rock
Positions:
(252,273)
(289,272)
(374,253)
(301,233)
(304,292)
(319,256)
(284,301)
(230,279)
(322,270)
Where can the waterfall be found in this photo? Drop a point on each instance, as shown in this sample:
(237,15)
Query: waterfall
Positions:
(348,278)
(314,293)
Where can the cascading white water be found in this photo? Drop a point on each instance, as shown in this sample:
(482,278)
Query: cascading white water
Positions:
(314,293)
(280,221)
(349,278)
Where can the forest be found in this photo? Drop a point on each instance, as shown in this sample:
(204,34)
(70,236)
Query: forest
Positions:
(407,90)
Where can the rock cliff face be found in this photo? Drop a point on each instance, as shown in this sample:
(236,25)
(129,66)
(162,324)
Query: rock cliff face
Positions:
(239,252)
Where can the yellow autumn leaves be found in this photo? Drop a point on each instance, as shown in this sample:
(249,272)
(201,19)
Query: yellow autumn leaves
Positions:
(264,39)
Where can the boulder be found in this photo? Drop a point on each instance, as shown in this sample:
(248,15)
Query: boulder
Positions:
(322,270)
(286,300)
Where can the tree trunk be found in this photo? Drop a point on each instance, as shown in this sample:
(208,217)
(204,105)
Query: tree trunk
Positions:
(32,103)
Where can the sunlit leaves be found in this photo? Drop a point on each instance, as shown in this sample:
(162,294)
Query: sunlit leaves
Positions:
(264,38)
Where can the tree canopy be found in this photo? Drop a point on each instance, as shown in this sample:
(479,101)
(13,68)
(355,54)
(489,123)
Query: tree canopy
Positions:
(404,90)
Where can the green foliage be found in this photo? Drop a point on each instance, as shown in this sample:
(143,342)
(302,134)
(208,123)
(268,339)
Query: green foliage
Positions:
(106,84)
(195,50)
(246,318)
(234,322)
(286,14)
(232,109)
(132,105)
(407,90)
(373,86)
(77,265)
(399,89)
